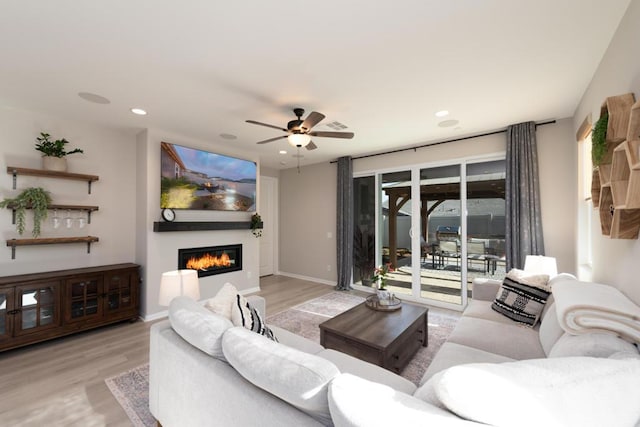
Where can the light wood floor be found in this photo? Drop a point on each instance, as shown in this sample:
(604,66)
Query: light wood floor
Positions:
(61,382)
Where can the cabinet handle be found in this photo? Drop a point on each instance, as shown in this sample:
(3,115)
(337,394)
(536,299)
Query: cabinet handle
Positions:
(12,312)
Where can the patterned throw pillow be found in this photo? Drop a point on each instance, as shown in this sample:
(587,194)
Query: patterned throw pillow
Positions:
(521,297)
(243,314)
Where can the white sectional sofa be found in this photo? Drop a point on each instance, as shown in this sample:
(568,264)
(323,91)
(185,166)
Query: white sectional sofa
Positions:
(206,372)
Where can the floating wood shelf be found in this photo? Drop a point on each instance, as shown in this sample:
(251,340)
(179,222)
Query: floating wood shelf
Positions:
(88,209)
(202,226)
(13,243)
(15,171)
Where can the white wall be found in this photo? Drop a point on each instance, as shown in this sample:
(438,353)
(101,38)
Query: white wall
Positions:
(158,252)
(308,199)
(615,262)
(107,153)
(307,217)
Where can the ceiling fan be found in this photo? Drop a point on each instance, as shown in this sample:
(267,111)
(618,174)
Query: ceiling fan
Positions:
(299,131)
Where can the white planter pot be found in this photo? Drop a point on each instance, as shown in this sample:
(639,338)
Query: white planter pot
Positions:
(58,164)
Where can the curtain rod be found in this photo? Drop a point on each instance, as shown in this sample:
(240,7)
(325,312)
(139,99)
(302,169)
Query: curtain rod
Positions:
(495,132)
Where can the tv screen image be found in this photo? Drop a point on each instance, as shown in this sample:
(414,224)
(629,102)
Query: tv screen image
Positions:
(199,180)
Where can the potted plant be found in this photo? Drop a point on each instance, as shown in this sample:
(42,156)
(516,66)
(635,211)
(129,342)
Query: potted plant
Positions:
(54,153)
(599,140)
(34,198)
(256,225)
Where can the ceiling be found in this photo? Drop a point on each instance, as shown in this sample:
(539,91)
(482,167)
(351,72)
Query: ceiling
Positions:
(201,68)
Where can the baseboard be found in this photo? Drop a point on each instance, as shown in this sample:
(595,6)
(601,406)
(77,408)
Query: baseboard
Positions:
(307,278)
(155,316)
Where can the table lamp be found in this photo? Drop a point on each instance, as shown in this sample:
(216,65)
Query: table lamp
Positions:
(539,264)
(177,283)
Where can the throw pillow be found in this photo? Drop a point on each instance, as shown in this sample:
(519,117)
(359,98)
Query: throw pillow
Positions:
(224,299)
(198,326)
(243,314)
(563,391)
(296,377)
(354,401)
(522,297)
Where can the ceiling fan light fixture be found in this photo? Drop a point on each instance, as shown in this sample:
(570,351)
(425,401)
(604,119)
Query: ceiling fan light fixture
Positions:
(299,139)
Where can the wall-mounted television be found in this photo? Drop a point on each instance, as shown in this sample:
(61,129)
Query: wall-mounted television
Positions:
(199,180)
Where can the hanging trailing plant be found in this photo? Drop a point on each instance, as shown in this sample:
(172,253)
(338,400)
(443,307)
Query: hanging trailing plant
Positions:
(599,140)
(34,198)
(256,225)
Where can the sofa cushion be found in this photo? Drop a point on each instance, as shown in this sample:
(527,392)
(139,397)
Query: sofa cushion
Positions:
(356,402)
(243,314)
(510,340)
(592,345)
(453,354)
(296,377)
(482,310)
(198,326)
(296,341)
(550,329)
(522,297)
(567,391)
(221,303)
(351,365)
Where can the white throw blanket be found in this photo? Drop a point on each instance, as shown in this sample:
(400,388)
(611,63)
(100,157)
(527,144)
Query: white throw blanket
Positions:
(585,307)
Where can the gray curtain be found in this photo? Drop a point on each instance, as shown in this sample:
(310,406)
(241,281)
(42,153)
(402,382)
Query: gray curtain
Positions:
(524,225)
(344,223)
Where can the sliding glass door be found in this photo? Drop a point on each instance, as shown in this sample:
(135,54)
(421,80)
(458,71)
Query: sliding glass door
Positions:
(438,228)
(441,234)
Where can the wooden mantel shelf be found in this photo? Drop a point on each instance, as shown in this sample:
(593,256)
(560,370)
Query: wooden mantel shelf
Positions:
(202,226)
(13,243)
(15,171)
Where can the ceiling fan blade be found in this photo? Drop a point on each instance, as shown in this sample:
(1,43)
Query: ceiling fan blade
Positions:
(253,122)
(312,119)
(272,139)
(311,146)
(346,135)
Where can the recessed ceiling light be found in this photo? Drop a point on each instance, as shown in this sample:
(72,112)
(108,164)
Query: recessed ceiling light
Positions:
(139,111)
(283,151)
(448,123)
(228,136)
(442,113)
(92,97)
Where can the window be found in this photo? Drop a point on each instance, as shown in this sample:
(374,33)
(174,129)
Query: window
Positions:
(585,203)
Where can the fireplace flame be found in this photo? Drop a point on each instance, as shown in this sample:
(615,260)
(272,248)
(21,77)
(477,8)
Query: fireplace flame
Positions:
(207,261)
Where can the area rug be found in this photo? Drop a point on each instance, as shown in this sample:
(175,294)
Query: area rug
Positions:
(304,320)
(131,388)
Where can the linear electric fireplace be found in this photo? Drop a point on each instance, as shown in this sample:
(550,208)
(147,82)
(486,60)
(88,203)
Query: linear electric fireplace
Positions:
(211,260)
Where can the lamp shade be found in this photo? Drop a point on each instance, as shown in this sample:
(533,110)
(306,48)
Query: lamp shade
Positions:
(538,264)
(177,283)
(299,139)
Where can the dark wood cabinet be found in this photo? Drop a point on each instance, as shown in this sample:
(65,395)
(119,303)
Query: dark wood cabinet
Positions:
(40,306)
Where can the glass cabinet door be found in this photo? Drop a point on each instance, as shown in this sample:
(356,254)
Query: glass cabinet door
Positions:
(119,291)
(6,306)
(37,306)
(83,298)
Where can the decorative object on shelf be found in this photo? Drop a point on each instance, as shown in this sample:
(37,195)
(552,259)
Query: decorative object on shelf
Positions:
(53,152)
(256,225)
(380,275)
(599,140)
(35,198)
(168,215)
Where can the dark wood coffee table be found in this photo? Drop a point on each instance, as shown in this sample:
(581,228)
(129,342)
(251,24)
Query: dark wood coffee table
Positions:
(387,339)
